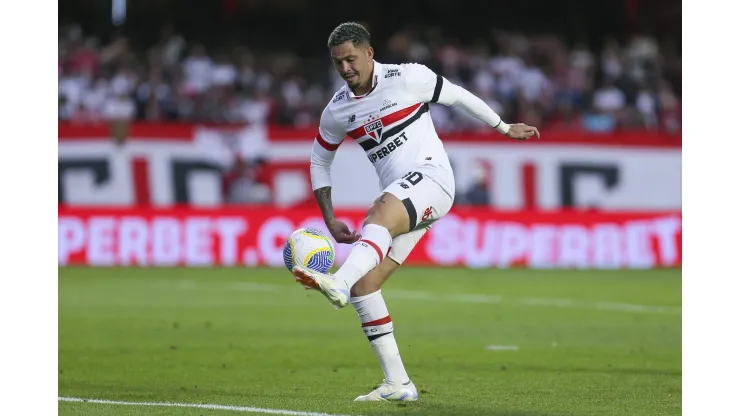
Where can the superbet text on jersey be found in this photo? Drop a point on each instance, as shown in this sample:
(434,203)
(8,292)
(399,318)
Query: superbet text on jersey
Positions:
(391,122)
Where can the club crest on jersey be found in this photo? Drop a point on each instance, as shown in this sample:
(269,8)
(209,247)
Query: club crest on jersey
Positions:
(374,128)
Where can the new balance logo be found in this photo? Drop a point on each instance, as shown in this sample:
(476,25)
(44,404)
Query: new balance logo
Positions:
(351,119)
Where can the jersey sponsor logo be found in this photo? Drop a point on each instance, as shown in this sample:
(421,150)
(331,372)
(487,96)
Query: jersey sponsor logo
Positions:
(388,104)
(392,73)
(389,148)
(339,96)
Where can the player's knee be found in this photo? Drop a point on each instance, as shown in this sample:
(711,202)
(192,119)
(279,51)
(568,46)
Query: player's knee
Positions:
(378,218)
(373,215)
(387,211)
(371,282)
(364,287)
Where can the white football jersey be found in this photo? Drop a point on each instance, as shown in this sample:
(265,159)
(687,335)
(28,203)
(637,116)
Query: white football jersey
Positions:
(391,122)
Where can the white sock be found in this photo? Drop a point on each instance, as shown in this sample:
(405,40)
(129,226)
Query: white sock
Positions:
(365,255)
(377,324)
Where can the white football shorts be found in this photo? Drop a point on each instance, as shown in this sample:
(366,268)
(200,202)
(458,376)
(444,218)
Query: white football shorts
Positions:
(426,201)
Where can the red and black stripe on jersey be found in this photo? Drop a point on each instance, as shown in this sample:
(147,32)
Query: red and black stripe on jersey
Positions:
(326,145)
(389,119)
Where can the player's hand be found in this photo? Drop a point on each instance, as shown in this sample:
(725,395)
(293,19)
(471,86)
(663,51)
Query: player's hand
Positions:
(521,131)
(341,233)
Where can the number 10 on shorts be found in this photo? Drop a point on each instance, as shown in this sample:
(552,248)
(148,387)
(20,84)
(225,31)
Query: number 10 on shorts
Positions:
(413,177)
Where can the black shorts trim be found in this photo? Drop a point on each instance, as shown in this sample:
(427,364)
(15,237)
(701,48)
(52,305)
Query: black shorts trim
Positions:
(411,209)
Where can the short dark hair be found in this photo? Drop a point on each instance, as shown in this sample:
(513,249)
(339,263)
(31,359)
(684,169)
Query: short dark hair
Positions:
(349,32)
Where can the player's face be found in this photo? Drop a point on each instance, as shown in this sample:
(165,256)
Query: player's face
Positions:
(353,63)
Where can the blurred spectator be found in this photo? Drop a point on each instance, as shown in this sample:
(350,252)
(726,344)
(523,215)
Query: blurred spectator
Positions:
(171,47)
(608,99)
(198,71)
(478,192)
(120,110)
(244,183)
(85,57)
(670,108)
(647,106)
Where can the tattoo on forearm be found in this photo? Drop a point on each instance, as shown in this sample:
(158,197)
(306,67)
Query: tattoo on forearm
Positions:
(323,198)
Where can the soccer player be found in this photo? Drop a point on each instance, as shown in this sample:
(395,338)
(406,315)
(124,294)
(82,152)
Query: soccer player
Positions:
(385,108)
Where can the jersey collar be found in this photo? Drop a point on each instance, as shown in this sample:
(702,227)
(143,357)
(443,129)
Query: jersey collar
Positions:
(377,71)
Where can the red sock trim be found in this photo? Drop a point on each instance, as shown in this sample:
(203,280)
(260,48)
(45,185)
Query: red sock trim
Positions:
(380,321)
(377,249)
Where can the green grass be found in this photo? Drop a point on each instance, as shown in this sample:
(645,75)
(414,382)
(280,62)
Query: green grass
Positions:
(252,337)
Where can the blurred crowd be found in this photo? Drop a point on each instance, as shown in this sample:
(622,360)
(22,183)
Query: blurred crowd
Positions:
(541,80)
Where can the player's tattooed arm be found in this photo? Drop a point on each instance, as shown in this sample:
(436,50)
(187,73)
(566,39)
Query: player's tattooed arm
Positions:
(339,230)
(323,198)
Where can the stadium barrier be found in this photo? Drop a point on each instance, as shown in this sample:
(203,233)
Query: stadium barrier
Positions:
(471,237)
(182,164)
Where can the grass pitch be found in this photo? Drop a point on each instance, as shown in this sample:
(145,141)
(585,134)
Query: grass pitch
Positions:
(475,342)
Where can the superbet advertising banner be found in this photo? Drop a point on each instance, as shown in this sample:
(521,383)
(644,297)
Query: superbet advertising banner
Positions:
(480,238)
(165,165)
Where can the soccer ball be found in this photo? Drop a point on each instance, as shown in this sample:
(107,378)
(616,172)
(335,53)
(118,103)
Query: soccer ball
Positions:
(310,248)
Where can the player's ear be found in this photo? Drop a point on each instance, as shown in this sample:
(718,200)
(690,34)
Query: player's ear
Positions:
(370,52)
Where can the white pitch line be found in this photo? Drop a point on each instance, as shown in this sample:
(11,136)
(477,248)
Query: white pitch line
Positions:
(628,307)
(246,409)
(502,347)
